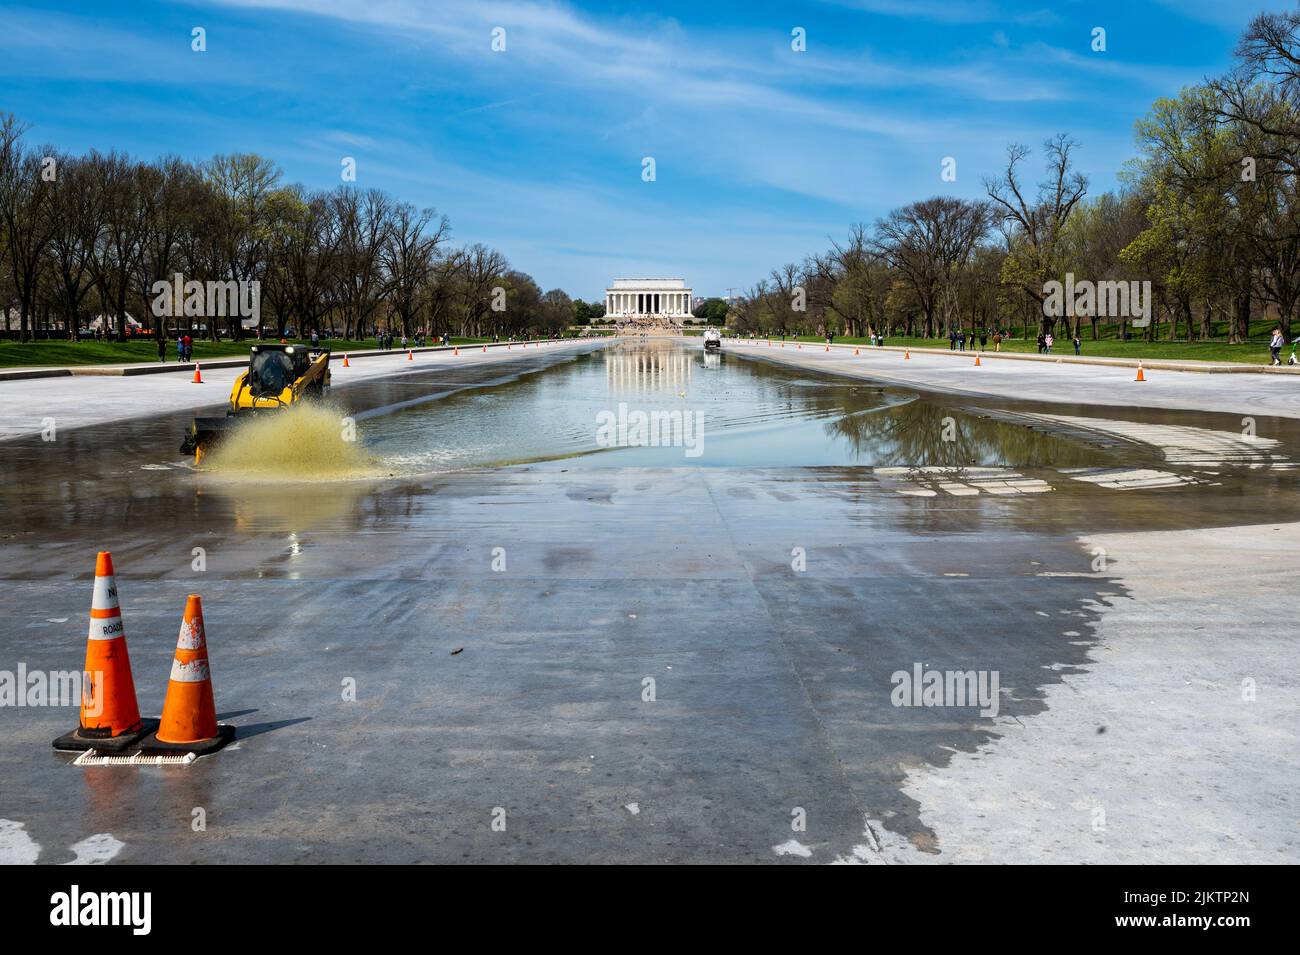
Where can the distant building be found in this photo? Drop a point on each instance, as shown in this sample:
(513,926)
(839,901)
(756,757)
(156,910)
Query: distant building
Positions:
(648,304)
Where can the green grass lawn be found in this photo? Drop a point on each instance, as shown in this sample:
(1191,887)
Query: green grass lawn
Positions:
(60,352)
(1255,352)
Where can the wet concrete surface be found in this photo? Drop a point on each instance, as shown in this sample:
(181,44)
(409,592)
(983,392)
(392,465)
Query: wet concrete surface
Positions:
(30,407)
(500,624)
(944,372)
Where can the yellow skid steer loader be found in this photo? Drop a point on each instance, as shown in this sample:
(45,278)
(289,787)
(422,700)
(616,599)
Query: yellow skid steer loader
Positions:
(278,377)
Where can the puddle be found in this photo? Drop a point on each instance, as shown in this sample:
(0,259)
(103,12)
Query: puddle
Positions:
(422,433)
(666,405)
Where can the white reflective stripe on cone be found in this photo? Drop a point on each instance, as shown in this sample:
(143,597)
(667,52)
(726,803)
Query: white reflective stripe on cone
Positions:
(105,597)
(106,628)
(191,636)
(196,671)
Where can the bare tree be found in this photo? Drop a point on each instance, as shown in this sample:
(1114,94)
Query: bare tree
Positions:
(364,222)
(303,257)
(26,200)
(480,269)
(78,220)
(1038,220)
(408,256)
(928,243)
(117,180)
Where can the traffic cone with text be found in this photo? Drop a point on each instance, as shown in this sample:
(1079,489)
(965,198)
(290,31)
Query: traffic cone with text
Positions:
(189,714)
(110,715)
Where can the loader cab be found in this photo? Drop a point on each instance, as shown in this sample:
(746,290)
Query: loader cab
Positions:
(273,368)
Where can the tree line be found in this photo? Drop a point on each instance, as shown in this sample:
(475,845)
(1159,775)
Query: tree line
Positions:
(84,239)
(1207,213)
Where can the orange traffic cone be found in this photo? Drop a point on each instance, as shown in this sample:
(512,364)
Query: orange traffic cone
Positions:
(977,360)
(455,352)
(346,363)
(907,355)
(198,379)
(110,715)
(1140,377)
(189,715)
(410,355)
(485,349)
(855,351)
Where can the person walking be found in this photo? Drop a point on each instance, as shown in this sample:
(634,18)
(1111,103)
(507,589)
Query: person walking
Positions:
(1275,346)
(984,339)
(961,339)
(952,339)
(189,348)
(997,341)
(1078,345)
(1047,343)
(1042,343)
(162,347)
(180,348)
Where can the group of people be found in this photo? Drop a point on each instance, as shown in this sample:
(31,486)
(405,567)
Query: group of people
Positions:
(184,348)
(1275,345)
(386,340)
(957,339)
(1046,340)
(877,339)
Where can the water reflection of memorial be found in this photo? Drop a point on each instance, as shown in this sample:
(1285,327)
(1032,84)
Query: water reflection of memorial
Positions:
(647,370)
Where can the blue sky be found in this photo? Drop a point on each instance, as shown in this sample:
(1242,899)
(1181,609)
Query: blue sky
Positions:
(761,152)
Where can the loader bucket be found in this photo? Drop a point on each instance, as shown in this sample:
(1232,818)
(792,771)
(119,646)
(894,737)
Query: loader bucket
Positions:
(204,433)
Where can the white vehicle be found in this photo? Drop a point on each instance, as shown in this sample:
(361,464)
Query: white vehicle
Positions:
(712,340)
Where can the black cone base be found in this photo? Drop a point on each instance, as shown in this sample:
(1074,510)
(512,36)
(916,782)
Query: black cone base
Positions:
(153,746)
(75,742)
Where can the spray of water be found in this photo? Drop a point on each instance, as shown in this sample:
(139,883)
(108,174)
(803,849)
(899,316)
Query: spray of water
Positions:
(308,442)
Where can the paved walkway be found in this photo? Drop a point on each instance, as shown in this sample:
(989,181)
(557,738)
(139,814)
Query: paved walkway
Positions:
(1068,382)
(74,402)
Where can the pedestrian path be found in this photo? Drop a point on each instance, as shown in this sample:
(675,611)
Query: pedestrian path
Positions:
(970,482)
(1199,454)
(959,482)
(1184,445)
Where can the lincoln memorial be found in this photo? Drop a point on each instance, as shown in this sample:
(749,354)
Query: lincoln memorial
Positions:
(648,305)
